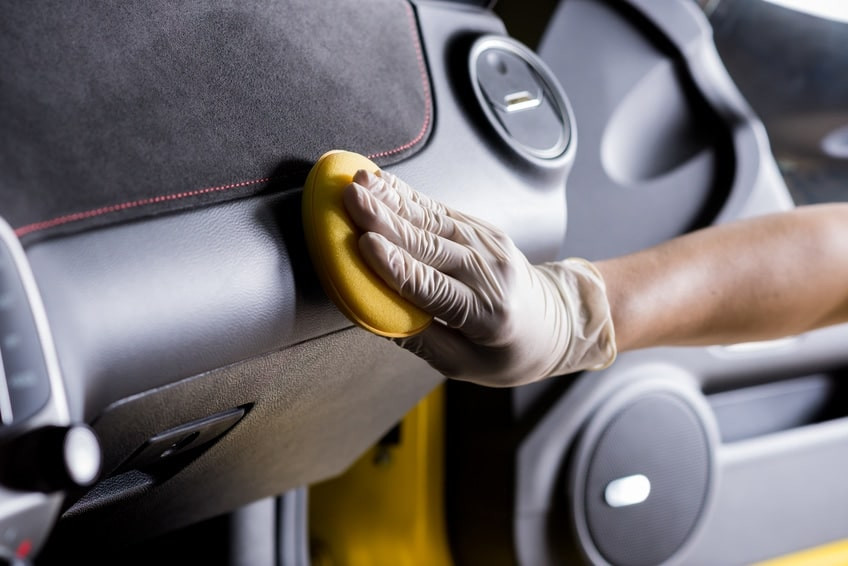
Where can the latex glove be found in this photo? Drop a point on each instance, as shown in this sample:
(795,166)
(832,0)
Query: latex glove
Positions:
(500,321)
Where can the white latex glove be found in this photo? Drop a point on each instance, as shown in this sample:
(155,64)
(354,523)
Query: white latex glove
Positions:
(500,321)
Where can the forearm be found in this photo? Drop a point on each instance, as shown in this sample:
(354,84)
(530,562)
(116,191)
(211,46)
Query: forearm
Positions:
(756,279)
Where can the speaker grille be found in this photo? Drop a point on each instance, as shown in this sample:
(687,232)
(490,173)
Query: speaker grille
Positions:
(660,436)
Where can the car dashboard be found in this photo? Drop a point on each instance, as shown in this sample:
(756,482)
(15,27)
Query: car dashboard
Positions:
(179,318)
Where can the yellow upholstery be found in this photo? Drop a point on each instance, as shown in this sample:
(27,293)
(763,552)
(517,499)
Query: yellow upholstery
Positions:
(833,554)
(388,508)
(332,239)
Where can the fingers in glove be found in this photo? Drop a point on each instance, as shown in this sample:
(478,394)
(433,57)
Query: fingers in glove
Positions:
(407,203)
(433,216)
(432,210)
(403,189)
(371,214)
(427,288)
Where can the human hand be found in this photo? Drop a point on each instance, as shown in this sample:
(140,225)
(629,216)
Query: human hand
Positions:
(500,321)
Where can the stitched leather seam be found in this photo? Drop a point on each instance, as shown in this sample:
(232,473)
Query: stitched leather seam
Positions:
(58,221)
(425,85)
(77,216)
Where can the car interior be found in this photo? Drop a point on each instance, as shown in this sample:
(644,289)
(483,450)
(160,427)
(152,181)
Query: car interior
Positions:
(179,389)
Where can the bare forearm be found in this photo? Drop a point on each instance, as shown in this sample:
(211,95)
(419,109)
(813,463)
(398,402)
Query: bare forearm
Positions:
(756,279)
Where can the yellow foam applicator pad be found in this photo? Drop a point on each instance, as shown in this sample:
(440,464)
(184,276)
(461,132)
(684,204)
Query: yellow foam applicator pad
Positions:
(332,239)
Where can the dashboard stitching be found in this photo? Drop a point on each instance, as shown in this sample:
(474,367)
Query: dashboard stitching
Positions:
(77,216)
(425,85)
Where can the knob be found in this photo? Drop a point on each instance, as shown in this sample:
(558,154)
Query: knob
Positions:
(51,458)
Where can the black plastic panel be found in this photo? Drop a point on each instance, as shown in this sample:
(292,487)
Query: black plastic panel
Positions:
(315,408)
(163,446)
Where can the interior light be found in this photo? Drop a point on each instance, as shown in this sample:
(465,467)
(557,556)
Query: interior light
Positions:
(836,10)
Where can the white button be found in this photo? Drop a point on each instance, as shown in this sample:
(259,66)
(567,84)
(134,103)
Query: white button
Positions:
(628,490)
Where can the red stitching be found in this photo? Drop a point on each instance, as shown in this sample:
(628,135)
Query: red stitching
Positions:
(76,216)
(425,84)
(58,221)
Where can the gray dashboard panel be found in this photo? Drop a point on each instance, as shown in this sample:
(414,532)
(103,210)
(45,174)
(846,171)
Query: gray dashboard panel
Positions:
(165,320)
(761,491)
(143,304)
(667,144)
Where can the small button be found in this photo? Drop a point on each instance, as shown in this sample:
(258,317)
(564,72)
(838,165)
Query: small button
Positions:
(626,491)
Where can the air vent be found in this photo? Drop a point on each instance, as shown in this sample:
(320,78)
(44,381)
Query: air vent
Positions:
(521,98)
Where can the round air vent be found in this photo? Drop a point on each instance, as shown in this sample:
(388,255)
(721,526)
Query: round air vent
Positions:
(521,98)
(643,476)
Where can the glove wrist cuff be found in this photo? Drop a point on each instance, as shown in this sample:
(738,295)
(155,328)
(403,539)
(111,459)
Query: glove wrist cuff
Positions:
(592,335)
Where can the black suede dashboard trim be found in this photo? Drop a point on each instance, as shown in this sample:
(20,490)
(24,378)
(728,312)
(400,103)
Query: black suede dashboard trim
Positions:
(116,112)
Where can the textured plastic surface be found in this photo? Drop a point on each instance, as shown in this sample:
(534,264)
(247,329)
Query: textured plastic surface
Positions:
(657,434)
(316,407)
(185,437)
(333,241)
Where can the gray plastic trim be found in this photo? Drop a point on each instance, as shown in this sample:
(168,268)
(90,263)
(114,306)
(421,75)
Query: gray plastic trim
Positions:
(31,515)
(55,412)
(543,453)
(780,494)
(252,535)
(293,528)
(758,187)
(750,412)
(637,211)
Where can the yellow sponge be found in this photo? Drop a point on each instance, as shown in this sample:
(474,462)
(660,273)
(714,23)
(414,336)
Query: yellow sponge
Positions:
(332,239)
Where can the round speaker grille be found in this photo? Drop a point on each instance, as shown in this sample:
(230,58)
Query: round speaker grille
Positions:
(658,436)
